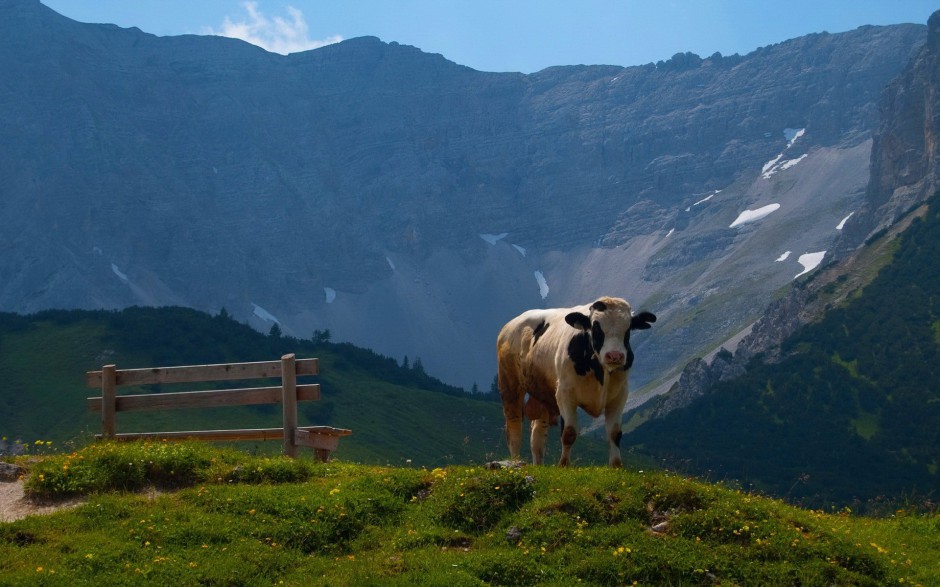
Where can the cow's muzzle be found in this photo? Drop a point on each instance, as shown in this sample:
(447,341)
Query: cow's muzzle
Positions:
(614,358)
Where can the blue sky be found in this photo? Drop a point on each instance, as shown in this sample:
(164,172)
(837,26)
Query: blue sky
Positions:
(508,35)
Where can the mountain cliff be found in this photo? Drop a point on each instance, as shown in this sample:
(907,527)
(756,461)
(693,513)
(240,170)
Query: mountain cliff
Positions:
(904,166)
(904,174)
(848,410)
(831,395)
(413,205)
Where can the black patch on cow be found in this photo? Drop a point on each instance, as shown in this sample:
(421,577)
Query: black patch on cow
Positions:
(626,344)
(599,306)
(598,371)
(616,436)
(578,320)
(583,357)
(642,321)
(597,337)
(568,435)
(539,331)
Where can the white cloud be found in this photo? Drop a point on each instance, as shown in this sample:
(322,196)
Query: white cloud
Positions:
(277,34)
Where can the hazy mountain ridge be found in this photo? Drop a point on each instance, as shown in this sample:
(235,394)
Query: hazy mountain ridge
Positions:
(348,187)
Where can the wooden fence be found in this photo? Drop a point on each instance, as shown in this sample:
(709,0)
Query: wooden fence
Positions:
(322,439)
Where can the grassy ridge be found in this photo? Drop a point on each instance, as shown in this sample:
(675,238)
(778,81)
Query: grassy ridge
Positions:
(243,520)
(397,414)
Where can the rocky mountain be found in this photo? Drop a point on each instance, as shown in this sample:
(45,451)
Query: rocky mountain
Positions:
(412,205)
(905,169)
(846,410)
(831,396)
(905,172)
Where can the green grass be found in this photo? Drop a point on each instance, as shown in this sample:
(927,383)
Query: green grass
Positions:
(221,517)
(43,360)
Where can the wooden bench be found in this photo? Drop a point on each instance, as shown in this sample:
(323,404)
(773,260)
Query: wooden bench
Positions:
(322,439)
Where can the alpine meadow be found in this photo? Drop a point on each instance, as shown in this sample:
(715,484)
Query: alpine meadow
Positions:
(755,236)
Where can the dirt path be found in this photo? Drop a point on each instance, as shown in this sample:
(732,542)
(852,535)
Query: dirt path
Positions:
(13,505)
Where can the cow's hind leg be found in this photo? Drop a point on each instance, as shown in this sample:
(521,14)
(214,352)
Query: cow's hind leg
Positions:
(513,433)
(537,414)
(512,410)
(513,400)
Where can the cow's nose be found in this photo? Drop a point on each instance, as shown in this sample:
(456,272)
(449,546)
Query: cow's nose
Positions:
(613,357)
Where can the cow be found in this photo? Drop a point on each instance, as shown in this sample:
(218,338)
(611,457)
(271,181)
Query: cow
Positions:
(565,359)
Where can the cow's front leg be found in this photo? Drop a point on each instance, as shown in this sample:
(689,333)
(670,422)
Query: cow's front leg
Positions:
(613,414)
(569,432)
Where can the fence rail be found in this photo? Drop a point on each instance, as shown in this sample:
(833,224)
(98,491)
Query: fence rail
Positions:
(322,439)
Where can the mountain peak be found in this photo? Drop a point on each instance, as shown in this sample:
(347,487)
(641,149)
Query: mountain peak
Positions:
(933,29)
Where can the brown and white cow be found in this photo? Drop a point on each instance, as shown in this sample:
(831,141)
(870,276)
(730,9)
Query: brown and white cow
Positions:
(565,359)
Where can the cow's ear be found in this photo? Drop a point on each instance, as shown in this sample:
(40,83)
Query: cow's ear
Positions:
(642,321)
(599,305)
(578,320)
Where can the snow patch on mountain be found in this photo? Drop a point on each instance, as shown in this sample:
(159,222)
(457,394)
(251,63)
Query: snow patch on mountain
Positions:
(781,166)
(810,261)
(792,134)
(703,200)
(119,273)
(754,215)
(494,238)
(775,164)
(263,314)
(841,225)
(543,285)
(782,257)
(330,294)
(520,249)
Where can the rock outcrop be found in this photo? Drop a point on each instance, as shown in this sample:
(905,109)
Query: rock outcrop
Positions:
(905,168)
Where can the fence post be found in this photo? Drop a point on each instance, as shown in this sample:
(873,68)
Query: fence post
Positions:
(108,400)
(289,402)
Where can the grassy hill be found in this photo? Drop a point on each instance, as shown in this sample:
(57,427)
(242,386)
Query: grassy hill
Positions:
(396,413)
(852,412)
(219,517)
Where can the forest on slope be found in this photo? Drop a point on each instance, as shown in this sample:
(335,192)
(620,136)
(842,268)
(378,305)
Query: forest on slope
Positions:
(851,413)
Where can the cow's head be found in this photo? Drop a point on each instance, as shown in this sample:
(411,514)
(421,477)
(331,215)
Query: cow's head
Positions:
(606,331)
